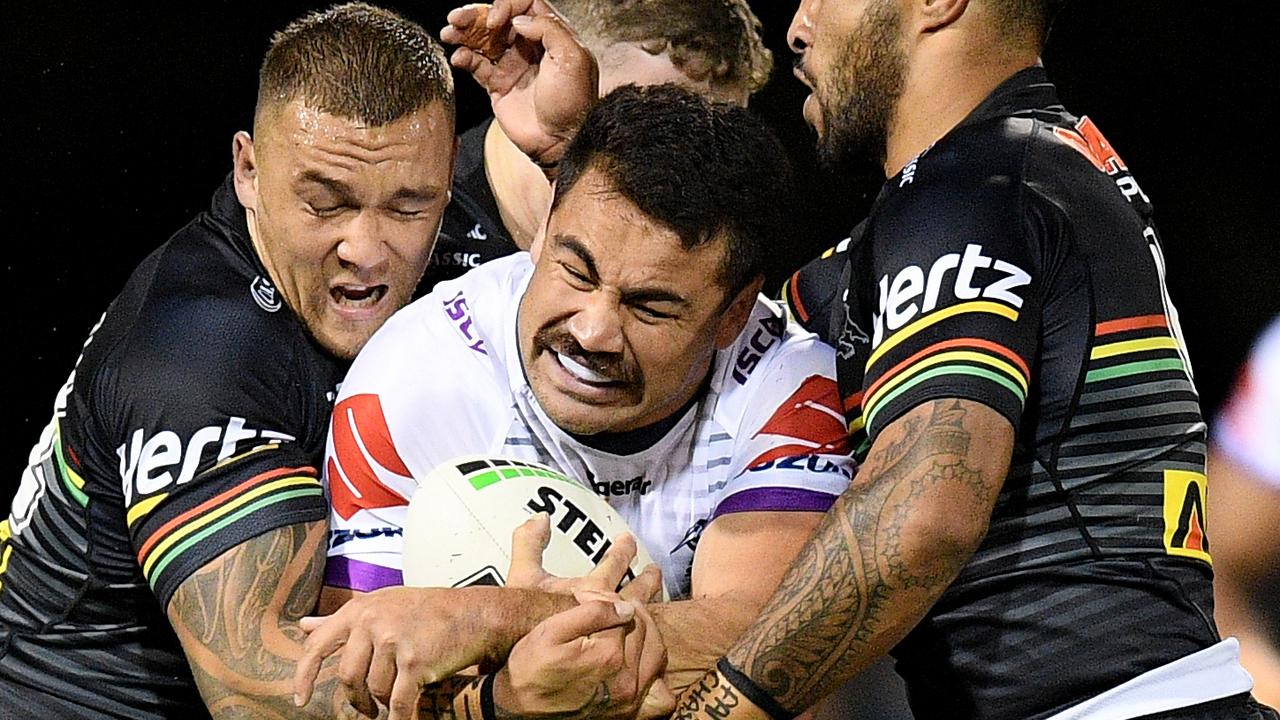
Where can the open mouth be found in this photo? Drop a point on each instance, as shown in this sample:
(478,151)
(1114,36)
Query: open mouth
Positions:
(357,296)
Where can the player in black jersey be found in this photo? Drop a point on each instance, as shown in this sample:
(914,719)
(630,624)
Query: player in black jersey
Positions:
(500,197)
(170,529)
(1026,534)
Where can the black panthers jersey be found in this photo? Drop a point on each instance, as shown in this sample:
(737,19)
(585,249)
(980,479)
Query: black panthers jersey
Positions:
(472,232)
(1015,263)
(193,421)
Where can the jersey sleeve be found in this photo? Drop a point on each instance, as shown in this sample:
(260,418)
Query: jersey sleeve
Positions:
(957,297)
(814,294)
(1250,421)
(218,441)
(396,419)
(791,452)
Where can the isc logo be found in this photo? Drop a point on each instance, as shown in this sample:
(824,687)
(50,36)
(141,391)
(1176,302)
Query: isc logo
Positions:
(912,292)
(146,463)
(767,332)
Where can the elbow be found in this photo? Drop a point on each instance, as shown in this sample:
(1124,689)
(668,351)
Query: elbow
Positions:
(942,543)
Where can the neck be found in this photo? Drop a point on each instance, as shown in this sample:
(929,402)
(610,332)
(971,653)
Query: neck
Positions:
(938,94)
(519,187)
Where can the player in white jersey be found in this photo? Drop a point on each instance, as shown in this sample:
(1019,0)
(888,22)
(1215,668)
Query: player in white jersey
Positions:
(633,352)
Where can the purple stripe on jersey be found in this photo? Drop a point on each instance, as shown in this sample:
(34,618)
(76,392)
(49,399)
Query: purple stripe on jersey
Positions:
(775,499)
(343,572)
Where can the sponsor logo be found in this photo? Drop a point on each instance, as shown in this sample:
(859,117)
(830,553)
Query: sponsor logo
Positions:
(805,463)
(851,336)
(1089,141)
(147,463)
(912,292)
(457,310)
(809,422)
(568,518)
(605,488)
(1185,525)
(764,335)
(342,537)
(264,293)
(365,464)
(478,233)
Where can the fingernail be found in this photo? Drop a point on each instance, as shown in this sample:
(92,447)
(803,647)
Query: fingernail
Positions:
(297,699)
(521,20)
(624,609)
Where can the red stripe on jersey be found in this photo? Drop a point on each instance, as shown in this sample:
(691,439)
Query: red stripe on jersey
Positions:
(361,439)
(987,345)
(793,289)
(814,415)
(1143,322)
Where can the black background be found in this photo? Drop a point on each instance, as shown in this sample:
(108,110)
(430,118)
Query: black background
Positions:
(117,125)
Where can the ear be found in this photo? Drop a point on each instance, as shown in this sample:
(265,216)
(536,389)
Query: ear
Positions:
(245,164)
(734,317)
(935,15)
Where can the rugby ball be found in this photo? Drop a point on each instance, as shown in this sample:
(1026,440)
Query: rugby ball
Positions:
(460,519)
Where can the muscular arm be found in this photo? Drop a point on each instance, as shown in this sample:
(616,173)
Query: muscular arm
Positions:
(882,555)
(739,562)
(237,619)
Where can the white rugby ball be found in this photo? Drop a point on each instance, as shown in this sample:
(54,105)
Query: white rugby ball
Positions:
(460,520)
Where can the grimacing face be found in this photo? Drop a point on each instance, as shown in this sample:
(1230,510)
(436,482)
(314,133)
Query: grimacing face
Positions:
(852,58)
(344,215)
(620,323)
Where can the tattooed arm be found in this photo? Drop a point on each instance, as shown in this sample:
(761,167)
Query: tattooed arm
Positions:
(237,620)
(882,556)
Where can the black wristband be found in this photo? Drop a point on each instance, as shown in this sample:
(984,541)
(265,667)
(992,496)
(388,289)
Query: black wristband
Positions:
(752,691)
(487,710)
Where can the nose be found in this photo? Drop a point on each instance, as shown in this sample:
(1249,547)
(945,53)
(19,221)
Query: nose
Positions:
(597,326)
(362,246)
(800,32)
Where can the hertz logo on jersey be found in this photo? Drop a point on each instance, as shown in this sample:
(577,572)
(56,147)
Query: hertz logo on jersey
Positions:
(914,292)
(147,463)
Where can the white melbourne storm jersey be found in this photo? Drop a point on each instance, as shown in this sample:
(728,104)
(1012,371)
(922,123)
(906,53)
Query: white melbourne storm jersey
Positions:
(443,378)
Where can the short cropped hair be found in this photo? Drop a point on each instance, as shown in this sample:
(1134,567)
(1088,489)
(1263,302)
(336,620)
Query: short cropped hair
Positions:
(708,170)
(358,62)
(1027,19)
(723,34)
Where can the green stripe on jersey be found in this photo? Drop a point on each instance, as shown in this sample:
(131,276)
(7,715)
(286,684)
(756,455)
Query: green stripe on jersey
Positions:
(1134,368)
(998,378)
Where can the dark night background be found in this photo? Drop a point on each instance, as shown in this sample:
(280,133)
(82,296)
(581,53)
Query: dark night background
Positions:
(117,127)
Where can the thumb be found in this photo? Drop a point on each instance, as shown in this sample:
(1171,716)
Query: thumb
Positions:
(589,617)
(528,543)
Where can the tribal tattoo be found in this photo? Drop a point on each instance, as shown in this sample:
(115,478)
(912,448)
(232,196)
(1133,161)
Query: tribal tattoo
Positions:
(883,555)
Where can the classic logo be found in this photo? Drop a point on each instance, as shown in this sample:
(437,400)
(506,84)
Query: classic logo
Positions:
(912,293)
(146,463)
(264,293)
(478,233)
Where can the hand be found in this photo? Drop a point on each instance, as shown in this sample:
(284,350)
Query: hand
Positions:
(529,542)
(542,84)
(396,640)
(600,659)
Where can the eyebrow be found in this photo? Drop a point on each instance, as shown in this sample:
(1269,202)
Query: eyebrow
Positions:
(344,191)
(638,295)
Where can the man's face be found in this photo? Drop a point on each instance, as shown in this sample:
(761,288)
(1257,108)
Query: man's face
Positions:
(620,323)
(344,215)
(628,63)
(852,57)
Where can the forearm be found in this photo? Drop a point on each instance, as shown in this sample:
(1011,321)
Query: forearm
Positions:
(698,632)
(883,555)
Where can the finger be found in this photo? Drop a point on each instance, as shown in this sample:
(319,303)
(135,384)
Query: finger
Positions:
(463,16)
(645,587)
(353,671)
(590,617)
(652,661)
(612,569)
(310,623)
(626,683)
(464,58)
(382,671)
(659,702)
(528,542)
(326,638)
(403,703)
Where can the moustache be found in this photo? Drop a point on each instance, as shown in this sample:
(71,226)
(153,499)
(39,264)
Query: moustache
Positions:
(611,365)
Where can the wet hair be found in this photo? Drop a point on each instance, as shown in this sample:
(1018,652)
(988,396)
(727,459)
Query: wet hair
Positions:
(707,170)
(719,38)
(355,61)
